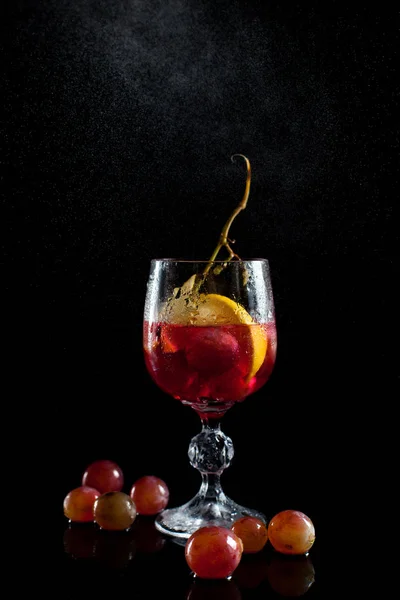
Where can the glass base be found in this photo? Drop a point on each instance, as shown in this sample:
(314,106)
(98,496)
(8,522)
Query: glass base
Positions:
(182,521)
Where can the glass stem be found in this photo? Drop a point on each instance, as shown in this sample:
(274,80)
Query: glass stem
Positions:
(211,452)
(211,487)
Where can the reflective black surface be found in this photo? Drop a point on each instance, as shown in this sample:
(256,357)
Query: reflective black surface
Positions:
(144,564)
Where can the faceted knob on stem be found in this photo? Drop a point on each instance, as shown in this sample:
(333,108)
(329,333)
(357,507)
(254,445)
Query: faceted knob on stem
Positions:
(210,451)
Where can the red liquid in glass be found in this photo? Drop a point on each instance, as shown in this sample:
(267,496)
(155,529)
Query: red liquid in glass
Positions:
(207,367)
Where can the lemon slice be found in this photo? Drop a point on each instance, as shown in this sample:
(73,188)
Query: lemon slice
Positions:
(214,309)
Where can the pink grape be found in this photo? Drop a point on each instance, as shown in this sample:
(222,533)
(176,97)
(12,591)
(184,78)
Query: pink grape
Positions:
(212,351)
(104,475)
(78,504)
(213,552)
(114,511)
(291,532)
(150,495)
(253,533)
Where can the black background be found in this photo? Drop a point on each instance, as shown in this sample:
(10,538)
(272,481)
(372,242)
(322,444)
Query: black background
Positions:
(119,122)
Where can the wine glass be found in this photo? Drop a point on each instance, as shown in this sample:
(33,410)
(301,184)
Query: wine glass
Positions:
(209,341)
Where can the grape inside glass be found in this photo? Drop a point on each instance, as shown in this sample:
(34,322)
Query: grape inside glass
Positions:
(209,340)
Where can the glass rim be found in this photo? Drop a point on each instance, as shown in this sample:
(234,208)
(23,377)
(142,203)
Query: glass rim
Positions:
(206,261)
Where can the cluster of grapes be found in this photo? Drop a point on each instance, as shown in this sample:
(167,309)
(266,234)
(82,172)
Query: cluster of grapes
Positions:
(215,552)
(211,552)
(100,497)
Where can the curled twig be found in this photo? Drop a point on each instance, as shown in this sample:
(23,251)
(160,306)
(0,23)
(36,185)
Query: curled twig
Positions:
(223,238)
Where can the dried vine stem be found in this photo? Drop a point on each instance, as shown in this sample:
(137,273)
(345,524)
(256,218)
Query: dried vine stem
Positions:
(223,241)
(223,238)
(195,282)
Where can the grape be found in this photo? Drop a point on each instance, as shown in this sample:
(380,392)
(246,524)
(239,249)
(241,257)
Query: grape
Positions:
(291,532)
(150,495)
(114,511)
(253,533)
(78,504)
(212,351)
(291,576)
(213,552)
(104,475)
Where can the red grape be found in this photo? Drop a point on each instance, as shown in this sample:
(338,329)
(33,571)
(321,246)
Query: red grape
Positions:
(78,504)
(104,475)
(253,533)
(115,511)
(212,351)
(213,552)
(150,495)
(291,532)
